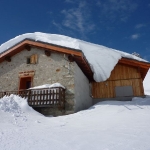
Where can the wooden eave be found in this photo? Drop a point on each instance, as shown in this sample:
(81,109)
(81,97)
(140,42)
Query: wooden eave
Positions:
(136,63)
(143,66)
(83,64)
(77,54)
(20,46)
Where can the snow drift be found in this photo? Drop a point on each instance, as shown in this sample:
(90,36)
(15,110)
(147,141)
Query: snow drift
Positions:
(108,125)
(101,59)
(15,105)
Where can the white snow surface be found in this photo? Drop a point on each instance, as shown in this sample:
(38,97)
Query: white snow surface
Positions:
(48,86)
(109,125)
(15,105)
(101,59)
(146,83)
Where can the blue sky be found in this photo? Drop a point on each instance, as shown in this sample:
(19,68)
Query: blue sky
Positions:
(119,24)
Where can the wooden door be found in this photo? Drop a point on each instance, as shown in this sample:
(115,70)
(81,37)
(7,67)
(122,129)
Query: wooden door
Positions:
(25,83)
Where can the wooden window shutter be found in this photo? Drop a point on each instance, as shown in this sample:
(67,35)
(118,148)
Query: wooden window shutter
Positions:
(33,59)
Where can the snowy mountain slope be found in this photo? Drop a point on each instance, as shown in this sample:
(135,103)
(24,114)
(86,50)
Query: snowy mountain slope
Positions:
(105,126)
(101,59)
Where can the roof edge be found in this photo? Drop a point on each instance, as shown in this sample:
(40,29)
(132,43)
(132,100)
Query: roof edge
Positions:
(134,62)
(28,39)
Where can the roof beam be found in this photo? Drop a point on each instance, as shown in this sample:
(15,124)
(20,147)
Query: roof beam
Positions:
(8,58)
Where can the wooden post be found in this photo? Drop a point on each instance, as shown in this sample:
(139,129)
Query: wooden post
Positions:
(28,48)
(29,97)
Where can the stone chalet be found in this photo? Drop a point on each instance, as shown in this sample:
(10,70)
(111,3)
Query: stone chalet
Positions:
(30,63)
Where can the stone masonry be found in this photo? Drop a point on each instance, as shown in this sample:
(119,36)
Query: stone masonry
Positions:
(48,70)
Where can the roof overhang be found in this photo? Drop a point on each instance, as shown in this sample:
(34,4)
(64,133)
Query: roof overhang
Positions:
(77,55)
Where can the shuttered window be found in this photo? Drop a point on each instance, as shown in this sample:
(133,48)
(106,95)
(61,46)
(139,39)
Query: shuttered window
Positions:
(32,59)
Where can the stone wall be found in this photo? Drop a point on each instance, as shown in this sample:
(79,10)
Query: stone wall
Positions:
(48,70)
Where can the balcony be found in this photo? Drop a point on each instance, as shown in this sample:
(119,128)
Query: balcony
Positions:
(45,97)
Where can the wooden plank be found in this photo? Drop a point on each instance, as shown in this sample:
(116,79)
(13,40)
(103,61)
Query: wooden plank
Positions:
(101,91)
(47,97)
(122,71)
(41,99)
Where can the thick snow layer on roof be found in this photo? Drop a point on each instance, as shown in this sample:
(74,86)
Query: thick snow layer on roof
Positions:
(101,59)
(48,86)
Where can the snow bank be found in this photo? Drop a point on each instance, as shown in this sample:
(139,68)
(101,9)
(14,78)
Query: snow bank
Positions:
(15,105)
(146,83)
(48,86)
(101,59)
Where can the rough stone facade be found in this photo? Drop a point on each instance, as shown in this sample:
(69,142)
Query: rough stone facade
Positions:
(48,70)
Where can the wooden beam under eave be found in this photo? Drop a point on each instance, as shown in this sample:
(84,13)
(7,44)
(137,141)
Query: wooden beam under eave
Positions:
(27,47)
(89,72)
(83,64)
(8,58)
(70,58)
(47,53)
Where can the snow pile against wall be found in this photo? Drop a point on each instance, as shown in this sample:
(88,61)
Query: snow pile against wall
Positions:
(15,105)
(101,59)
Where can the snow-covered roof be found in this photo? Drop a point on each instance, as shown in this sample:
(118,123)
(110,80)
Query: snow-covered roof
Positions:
(101,59)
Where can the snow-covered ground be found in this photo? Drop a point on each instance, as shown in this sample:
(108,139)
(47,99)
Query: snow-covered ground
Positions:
(109,125)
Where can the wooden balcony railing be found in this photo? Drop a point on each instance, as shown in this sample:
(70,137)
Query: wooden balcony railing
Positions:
(48,97)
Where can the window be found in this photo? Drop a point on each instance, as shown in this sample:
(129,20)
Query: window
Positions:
(32,59)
